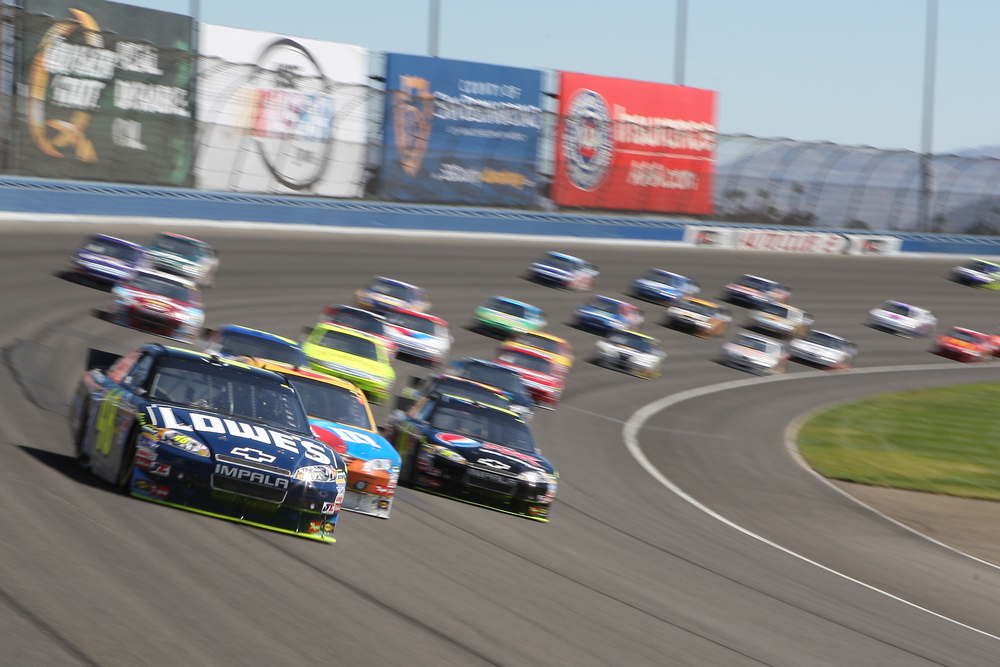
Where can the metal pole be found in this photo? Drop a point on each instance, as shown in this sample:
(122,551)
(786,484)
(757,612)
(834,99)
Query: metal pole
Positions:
(926,135)
(434,28)
(680,42)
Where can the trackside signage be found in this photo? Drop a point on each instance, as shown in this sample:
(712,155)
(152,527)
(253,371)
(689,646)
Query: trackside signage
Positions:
(634,146)
(776,240)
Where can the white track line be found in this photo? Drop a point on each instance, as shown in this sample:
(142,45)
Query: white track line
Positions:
(635,423)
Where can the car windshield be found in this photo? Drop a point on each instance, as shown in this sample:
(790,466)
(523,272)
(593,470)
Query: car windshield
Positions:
(494,376)
(526,360)
(471,391)
(114,249)
(228,391)
(752,343)
(411,322)
(698,307)
(827,340)
(188,248)
(506,307)
(632,340)
(362,321)
(558,262)
(966,336)
(774,309)
(332,402)
(981,266)
(486,424)
(162,286)
(539,342)
(756,283)
(239,344)
(350,344)
(896,308)
(664,278)
(395,290)
(604,305)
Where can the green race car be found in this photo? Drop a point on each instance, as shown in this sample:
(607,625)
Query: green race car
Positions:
(353,356)
(505,317)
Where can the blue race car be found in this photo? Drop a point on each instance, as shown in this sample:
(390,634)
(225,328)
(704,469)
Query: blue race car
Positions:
(232,341)
(208,435)
(602,315)
(106,260)
(662,287)
(555,269)
(475,453)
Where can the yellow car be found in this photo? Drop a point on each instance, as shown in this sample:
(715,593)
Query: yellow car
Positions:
(553,347)
(352,355)
(699,317)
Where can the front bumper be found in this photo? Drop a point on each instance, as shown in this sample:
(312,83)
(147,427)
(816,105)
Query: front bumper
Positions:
(156,323)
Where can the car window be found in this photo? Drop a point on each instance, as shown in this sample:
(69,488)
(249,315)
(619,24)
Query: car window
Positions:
(137,375)
(239,344)
(350,344)
(331,402)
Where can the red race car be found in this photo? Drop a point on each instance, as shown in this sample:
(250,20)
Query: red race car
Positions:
(543,377)
(964,345)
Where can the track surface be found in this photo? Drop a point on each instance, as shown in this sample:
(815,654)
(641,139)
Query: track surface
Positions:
(627,573)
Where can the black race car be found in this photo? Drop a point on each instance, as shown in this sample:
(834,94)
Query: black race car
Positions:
(475,453)
(201,433)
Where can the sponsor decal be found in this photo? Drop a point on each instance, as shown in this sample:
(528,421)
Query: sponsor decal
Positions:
(154,490)
(253,476)
(348,435)
(315,526)
(383,504)
(588,143)
(513,454)
(254,455)
(161,469)
(454,440)
(412,115)
(330,508)
(791,241)
(493,463)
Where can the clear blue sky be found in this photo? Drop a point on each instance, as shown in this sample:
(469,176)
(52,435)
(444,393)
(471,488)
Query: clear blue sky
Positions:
(849,71)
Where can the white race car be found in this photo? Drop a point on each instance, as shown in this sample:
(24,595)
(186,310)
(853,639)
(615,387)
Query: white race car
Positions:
(902,319)
(755,354)
(631,352)
(824,350)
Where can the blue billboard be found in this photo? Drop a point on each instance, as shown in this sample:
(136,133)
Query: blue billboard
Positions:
(460,132)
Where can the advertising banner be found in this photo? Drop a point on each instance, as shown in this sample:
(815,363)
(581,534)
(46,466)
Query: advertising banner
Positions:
(777,240)
(460,132)
(634,146)
(282,115)
(106,93)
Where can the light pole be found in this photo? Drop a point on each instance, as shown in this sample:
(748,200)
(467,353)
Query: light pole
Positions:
(927,130)
(433,28)
(680,42)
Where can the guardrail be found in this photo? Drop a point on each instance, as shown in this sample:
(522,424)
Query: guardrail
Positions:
(82,199)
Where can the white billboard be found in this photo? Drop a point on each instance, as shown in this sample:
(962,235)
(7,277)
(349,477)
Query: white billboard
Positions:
(280,115)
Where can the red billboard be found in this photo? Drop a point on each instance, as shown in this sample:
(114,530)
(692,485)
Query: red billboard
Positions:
(634,146)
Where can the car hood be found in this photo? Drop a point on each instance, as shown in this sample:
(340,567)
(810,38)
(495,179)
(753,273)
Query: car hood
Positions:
(355,442)
(488,455)
(170,257)
(239,441)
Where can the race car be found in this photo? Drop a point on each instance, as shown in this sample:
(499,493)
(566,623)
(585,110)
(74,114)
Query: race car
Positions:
(382,293)
(964,345)
(755,354)
(662,287)
(823,350)
(563,271)
(475,453)
(602,315)
(542,376)
(106,260)
(501,378)
(450,385)
(418,336)
(555,348)
(779,320)
(208,435)
(235,342)
(361,320)
(352,355)
(503,317)
(184,256)
(699,317)
(340,418)
(902,319)
(631,352)
(754,291)
(977,273)
(158,303)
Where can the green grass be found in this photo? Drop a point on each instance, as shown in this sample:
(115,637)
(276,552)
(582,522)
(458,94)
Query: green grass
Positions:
(944,440)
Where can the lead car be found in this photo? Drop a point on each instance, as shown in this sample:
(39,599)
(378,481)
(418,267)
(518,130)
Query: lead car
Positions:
(205,434)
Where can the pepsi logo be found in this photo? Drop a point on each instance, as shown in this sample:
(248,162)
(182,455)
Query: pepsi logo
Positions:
(454,440)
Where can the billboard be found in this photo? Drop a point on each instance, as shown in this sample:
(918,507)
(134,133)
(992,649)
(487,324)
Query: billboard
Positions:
(281,115)
(635,146)
(460,132)
(105,92)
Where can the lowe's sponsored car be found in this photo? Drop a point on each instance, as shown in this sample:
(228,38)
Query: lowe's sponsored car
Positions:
(977,273)
(563,271)
(209,435)
(107,260)
(663,287)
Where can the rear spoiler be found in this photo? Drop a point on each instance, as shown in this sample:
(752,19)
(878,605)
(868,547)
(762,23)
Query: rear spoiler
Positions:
(100,360)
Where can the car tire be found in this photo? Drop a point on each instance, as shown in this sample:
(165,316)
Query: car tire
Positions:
(127,467)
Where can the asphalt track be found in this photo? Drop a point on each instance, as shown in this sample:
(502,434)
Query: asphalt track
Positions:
(627,572)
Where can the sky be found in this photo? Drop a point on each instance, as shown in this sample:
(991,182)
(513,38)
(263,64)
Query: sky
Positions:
(848,72)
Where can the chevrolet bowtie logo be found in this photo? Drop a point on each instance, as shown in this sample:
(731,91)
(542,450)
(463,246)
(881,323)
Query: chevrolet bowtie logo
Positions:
(490,463)
(254,455)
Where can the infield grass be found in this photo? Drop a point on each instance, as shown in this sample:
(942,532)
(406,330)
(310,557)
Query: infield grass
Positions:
(944,440)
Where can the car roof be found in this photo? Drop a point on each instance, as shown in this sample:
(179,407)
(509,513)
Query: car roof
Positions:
(541,334)
(662,272)
(531,352)
(832,336)
(701,301)
(486,362)
(182,237)
(561,255)
(968,331)
(448,398)
(361,312)
(636,333)
(201,357)
(115,239)
(167,276)
(285,369)
(423,316)
(601,297)
(256,333)
(398,282)
(513,301)
(330,326)
(753,336)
